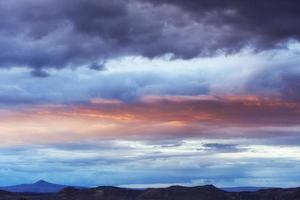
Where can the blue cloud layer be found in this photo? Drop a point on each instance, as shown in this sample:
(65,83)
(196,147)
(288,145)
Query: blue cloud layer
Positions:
(125,162)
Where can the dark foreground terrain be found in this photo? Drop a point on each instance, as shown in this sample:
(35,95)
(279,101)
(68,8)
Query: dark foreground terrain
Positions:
(208,192)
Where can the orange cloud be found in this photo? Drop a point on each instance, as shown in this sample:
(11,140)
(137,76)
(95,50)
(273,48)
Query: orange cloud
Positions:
(152,116)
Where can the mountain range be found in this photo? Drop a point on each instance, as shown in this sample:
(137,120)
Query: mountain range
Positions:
(207,192)
(42,186)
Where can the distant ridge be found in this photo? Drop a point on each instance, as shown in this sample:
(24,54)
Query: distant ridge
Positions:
(244,189)
(40,186)
(43,186)
(207,192)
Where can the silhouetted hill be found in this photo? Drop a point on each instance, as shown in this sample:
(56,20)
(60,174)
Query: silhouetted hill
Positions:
(40,186)
(99,193)
(280,194)
(208,192)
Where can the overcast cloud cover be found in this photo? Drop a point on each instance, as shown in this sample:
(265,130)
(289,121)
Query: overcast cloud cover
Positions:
(43,34)
(148,92)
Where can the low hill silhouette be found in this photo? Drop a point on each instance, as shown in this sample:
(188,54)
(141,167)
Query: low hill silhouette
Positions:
(207,192)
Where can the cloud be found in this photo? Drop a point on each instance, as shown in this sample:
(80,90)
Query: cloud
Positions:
(279,79)
(84,85)
(145,91)
(162,118)
(98,66)
(40,73)
(266,24)
(129,79)
(116,162)
(219,147)
(55,34)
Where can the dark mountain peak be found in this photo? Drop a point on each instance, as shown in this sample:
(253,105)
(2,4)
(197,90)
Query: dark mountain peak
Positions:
(108,187)
(176,186)
(40,186)
(41,182)
(202,188)
(208,187)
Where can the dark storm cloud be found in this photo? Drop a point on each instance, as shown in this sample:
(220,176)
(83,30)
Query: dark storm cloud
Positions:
(58,34)
(267,22)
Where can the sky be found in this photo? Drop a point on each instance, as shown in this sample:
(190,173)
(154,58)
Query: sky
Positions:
(144,93)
